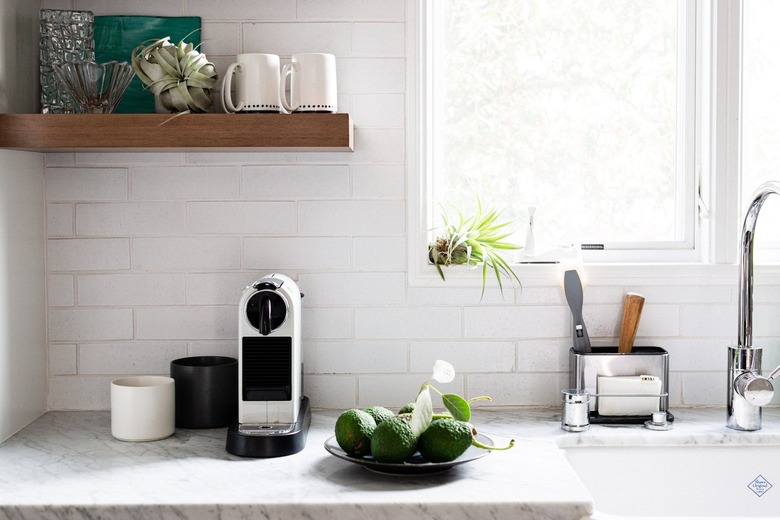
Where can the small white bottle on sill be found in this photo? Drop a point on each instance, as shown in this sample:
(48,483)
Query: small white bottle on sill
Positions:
(530,244)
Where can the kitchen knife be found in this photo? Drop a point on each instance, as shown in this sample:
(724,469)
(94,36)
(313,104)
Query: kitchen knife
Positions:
(632,311)
(572,286)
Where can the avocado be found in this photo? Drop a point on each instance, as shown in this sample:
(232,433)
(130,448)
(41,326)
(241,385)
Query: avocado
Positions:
(407,408)
(379,413)
(353,432)
(393,441)
(445,440)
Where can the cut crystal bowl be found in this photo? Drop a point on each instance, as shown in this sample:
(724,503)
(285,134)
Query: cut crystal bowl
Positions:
(97,88)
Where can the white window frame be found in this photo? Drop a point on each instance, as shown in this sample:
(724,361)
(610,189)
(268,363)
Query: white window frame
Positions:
(715,161)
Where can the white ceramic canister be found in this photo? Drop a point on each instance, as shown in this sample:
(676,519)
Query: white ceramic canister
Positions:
(143,408)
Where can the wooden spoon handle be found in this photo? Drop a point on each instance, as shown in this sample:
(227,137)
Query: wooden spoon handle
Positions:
(632,311)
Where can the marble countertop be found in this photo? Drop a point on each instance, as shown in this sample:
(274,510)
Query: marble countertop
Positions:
(66,465)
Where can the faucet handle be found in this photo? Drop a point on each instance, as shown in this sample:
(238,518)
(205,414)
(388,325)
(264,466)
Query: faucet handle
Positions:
(774,373)
(755,389)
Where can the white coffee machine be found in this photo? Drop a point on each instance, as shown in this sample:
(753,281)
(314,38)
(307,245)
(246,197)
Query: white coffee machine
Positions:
(273,414)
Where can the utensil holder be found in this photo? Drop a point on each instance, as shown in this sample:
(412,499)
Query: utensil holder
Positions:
(585,369)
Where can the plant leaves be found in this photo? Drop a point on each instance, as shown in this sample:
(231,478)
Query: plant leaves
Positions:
(422,415)
(457,406)
(443,372)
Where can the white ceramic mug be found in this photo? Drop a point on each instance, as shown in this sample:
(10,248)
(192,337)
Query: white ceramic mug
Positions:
(257,84)
(143,408)
(312,83)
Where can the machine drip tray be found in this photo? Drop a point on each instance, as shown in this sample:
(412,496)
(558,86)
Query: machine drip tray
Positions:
(258,442)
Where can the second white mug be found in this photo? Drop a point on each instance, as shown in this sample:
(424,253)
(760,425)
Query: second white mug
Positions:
(312,83)
(257,84)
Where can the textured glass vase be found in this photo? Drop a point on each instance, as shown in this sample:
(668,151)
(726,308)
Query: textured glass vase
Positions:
(66,37)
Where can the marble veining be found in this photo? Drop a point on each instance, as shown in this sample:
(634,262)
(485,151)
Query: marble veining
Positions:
(66,465)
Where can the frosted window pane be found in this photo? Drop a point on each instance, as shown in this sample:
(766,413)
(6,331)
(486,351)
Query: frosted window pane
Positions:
(566,105)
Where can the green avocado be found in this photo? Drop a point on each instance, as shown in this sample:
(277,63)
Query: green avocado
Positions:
(379,413)
(353,432)
(445,440)
(393,441)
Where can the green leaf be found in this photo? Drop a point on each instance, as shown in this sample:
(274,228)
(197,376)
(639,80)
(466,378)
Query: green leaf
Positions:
(422,415)
(457,406)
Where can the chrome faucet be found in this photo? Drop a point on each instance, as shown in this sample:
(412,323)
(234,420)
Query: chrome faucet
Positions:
(748,390)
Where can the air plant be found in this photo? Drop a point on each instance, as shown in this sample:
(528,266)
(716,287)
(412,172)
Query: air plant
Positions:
(476,241)
(178,75)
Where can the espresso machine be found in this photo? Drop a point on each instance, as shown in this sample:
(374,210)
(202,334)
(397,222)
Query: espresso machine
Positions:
(273,414)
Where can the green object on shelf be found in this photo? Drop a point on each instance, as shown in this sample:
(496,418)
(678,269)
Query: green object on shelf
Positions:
(117,36)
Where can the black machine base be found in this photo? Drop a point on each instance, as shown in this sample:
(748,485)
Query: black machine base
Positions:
(263,446)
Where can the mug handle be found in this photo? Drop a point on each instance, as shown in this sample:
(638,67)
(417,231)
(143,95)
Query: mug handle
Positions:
(286,71)
(227,99)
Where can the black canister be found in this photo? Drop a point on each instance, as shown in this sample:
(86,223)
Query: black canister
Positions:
(206,391)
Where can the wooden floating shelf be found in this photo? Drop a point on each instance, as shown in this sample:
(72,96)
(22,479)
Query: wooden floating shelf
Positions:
(165,132)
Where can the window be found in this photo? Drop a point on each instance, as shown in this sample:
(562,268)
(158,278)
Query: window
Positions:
(583,110)
(761,117)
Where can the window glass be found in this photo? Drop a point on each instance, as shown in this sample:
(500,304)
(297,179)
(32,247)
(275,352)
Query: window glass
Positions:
(573,107)
(761,118)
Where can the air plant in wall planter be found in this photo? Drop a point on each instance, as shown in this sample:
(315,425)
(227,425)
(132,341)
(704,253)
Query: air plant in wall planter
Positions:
(180,77)
(477,241)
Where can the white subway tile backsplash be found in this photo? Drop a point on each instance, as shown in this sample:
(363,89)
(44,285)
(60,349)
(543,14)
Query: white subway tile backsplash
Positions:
(378,39)
(316,253)
(351,10)
(220,38)
(353,288)
(351,218)
(130,218)
(379,253)
(80,392)
(90,324)
(516,322)
(176,323)
(59,220)
(136,7)
(65,184)
(295,182)
(227,348)
(63,360)
(378,110)
(120,358)
(543,355)
(522,389)
(351,358)
(87,254)
(218,288)
(130,289)
(128,158)
(371,75)
(705,388)
(250,218)
(60,290)
(338,392)
(185,183)
(242,10)
(236,157)
(286,39)
(465,356)
(196,253)
(378,181)
(319,323)
(407,322)
(708,320)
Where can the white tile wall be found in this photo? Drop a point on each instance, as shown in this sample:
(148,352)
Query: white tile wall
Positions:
(147,254)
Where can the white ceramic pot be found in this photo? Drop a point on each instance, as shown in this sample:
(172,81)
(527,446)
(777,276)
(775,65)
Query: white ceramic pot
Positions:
(143,408)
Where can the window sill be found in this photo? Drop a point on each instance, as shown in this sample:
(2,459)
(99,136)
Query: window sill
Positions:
(551,275)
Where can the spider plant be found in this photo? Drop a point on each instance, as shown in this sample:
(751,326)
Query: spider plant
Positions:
(477,241)
(179,76)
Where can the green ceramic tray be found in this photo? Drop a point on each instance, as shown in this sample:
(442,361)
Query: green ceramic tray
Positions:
(117,36)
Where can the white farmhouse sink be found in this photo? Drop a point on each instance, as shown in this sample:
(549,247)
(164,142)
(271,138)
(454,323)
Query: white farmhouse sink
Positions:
(673,481)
